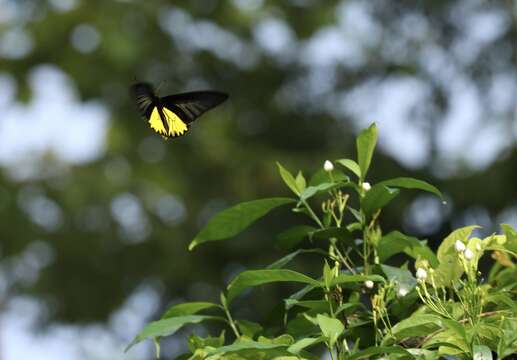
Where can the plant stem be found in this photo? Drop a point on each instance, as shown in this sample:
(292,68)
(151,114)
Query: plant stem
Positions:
(231,322)
(312,214)
(331,350)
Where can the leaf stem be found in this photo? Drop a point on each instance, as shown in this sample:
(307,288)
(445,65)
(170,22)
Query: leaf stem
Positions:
(312,214)
(231,322)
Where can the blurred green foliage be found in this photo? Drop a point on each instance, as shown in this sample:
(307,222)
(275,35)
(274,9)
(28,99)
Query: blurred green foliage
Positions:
(275,113)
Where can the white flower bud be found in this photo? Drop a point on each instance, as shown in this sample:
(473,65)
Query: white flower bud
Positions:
(368,284)
(421,274)
(366,186)
(328,166)
(403,291)
(478,247)
(459,245)
(469,255)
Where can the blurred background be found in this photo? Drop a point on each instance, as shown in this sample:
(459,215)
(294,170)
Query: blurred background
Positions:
(96,211)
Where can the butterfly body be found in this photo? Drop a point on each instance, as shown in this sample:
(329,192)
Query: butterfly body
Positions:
(171,116)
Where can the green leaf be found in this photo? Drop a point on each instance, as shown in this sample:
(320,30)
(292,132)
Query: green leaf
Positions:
(168,326)
(330,328)
(328,275)
(423,354)
(284,339)
(411,183)
(344,278)
(482,352)
(238,346)
(402,277)
(350,165)
(456,327)
(322,176)
(501,298)
(232,221)
(377,197)
(313,190)
(347,307)
(196,342)
(511,237)
(249,328)
(290,238)
(365,143)
(300,326)
(252,278)
(334,232)
(450,268)
(301,184)
(396,242)
(367,353)
(189,308)
(315,305)
(289,179)
(447,245)
(509,231)
(416,325)
(303,343)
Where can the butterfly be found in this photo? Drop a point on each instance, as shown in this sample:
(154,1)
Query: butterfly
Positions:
(171,116)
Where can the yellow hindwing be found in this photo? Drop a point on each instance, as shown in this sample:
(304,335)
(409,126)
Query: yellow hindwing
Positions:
(176,126)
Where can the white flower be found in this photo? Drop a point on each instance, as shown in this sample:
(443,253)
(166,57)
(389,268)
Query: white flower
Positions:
(459,245)
(368,284)
(421,274)
(366,186)
(478,247)
(403,291)
(469,255)
(328,166)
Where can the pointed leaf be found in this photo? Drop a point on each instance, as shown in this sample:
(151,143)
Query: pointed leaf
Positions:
(323,187)
(303,343)
(344,278)
(322,176)
(367,353)
(314,305)
(350,165)
(264,348)
(239,346)
(301,183)
(411,183)
(232,221)
(333,232)
(416,325)
(189,308)
(447,245)
(249,328)
(252,278)
(396,242)
(378,197)
(365,143)
(289,179)
(169,326)
(402,277)
(482,352)
(330,328)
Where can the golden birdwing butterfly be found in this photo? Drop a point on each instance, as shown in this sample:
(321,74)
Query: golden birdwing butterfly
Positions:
(171,116)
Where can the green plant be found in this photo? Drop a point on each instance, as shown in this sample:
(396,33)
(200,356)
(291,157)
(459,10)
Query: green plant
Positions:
(360,307)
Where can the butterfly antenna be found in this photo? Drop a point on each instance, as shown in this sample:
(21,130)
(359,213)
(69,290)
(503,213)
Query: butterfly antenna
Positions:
(159,87)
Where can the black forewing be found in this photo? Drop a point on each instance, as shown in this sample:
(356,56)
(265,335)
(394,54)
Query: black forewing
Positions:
(144,97)
(189,106)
